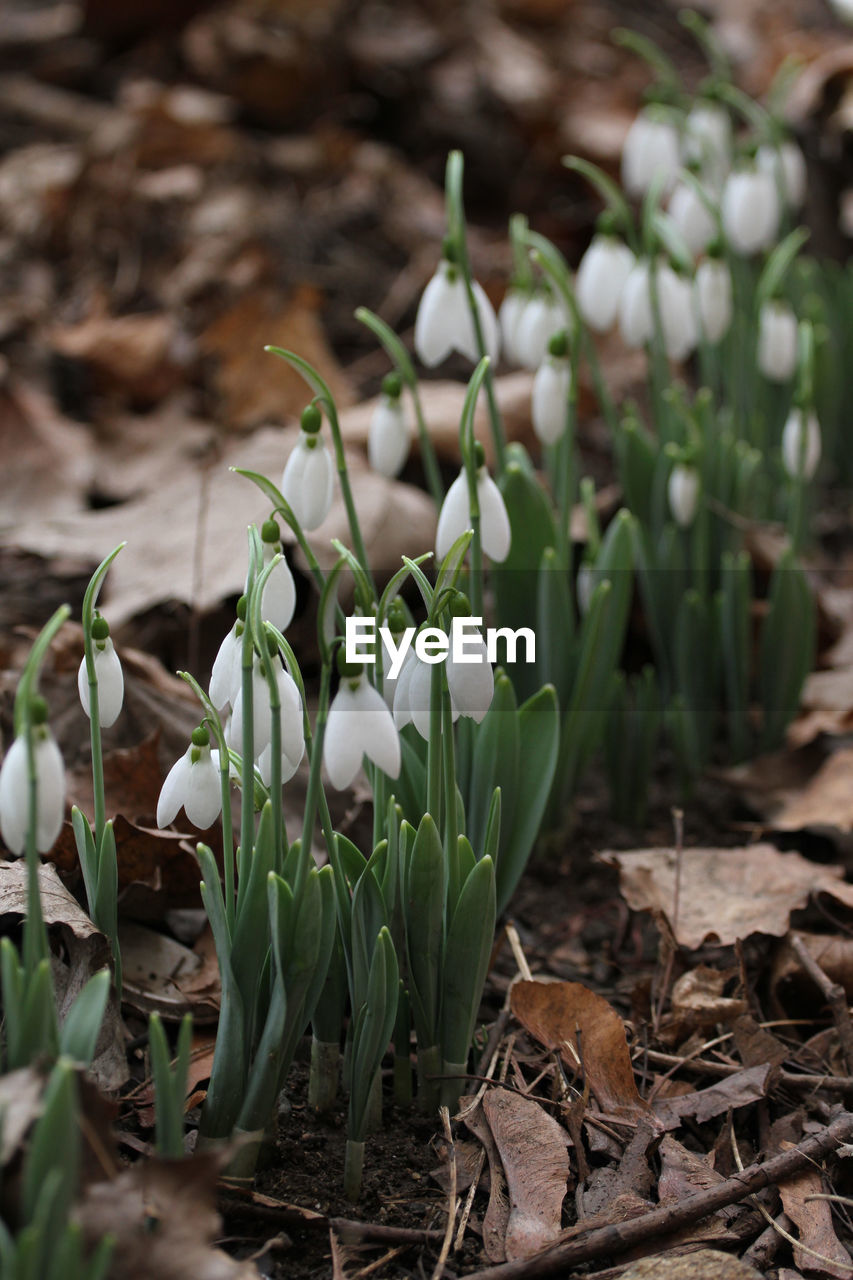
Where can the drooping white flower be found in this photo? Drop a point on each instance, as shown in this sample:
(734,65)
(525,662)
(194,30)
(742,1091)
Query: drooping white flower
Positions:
(602,274)
(110,683)
(541,318)
(390,435)
(708,141)
(308,482)
(472,682)
(550,396)
(444,323)
(750,209)
(777,341)
(713,286)
(359,725)
(675,306)
(412,697)
(683,493)
(192,784)
(801,444)
(14,792)
(692,217)
(785,164)
(455,517)
(292,740)
(279,599)
(509,315)
(225,676)
(651,148)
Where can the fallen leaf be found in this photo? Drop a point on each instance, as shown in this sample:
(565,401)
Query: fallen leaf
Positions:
(816,1232)
(138,357)
(157,971)
(699,1264)
(38,446)
(496,1216)
(570,1018)
(698,1004)
(832,952)
(738,1090)
(726,894)
(826,802)
(826,706)
(622,1191)
(533,1151)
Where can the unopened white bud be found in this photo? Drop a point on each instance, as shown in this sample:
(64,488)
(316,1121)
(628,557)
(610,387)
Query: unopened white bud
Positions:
(602,274)
(801,444)
(683,493)
(777,341)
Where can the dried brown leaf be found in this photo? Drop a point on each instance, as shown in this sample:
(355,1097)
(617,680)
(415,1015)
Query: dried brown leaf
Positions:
(496,1216)
(533,1151)
(738,1090)
(570,1018)
(813,1220)
(726,894)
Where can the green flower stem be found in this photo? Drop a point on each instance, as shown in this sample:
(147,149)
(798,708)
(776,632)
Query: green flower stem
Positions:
(35,933)
(88,615)
(434,752)
(456,231)
(315,790)
(262,639)
(431,468)
(247,800)
(213,722)
(451,818)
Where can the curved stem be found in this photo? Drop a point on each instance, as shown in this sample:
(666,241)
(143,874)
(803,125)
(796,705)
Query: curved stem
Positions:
(431,468)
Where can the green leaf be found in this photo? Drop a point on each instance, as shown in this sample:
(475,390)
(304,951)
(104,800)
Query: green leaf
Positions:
(539,732)
(55,1145)
(494,762)
(555,625)
(82,1026)
(426,892)
(469,944)
(85,842)
(787,648)
(374,1025)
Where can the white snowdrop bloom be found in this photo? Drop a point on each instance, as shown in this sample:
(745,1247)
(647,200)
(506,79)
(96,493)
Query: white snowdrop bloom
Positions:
(844,9)
(785,163)
(291,714)
(192,784)
(110,683)
(541,319)
(683,493)
(279,599)
(390,684)
(509,315)
(444,324)
(389,437)
(471,683)
(801,456)
(359,725)
(308,483)
(708,141)
(651,147)
(692,217)
(750,209)
(455,517)
(401,702)
(292,748)
(602,274)
(713,288)
(226,674)
(636,320)
(412,697)
(675,306)
(777,341)
(14,792)
(549,404)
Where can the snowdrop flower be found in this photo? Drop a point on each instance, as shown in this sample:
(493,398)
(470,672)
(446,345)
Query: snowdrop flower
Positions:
(359,725)
(708,141)
(713,288)
(192,784)
(750,209)
(651,148)
(291,715)
(511,311)
(308,482)
(412,697)
(108,673)
(692,217)
(683,493)
(551,387)
(292,736)
(390,437)
(786,164)
(455,515)
(50,787)
(601,277)
(777,341)
(800,455)
(471,682)
(844,9)
(540,320)
(226,674)
(279,598)
(675,304)
(444,324)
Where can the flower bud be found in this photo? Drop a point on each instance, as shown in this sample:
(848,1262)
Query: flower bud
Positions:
(785,164)
(777,341)
(602,274)
(308,483)
(651,148)
(110,680)
(14,792)
(549,405)
(542,317)
(801,444)
(708,141)
(389,437)
(692,217)
(683,493)
(713,287)
(750,210)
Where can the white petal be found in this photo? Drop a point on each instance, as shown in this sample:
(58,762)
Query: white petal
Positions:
(636,323)
(788,166)
(472,684)
(294,474)
(651,148)
(792,444)
(678,322)
(714,298)
(50,790)
(318,487)
(750,210)
(777,341)
(683,493)
(708,140)
(601,277)
(14,797)
(279,599)
(495,532)
(542,318)
(376,729)
(292,727)
(389,438)
(203,791)
(489,326)
(549,405)
(342,745)
(173,791)
(420,686)
(454,517)
(110,684)
(692,218)
(437,319)
(225,676)
(512,309)
(401,706)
